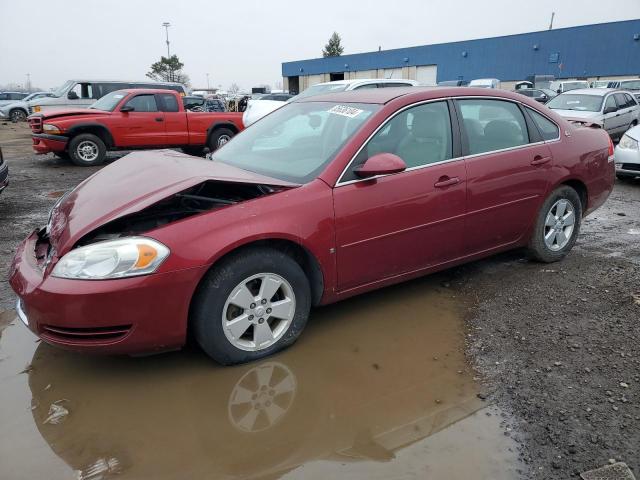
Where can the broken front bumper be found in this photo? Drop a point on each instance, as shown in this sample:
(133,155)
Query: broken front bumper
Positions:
(44,143)
(122,316)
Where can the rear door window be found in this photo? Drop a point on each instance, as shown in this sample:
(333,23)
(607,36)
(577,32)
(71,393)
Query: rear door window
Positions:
(621,100)
(493,125)
(548,129)
(168,102)
(143,103)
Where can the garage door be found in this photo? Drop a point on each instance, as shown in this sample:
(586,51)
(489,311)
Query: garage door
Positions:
(427,74)
(392,73)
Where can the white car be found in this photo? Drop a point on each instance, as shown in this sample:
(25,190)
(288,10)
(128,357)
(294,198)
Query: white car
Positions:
(19,109)
(615,110)
(328,87)
(568,85)
(485,83)
(627,155)
(265,104)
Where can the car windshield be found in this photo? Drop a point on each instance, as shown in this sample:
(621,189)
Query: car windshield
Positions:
(58,92)
(109,101)
(582,103)
(322,88)
(31,96)
(297,141)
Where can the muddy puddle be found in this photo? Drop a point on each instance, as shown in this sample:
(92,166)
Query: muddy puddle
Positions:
(377,387)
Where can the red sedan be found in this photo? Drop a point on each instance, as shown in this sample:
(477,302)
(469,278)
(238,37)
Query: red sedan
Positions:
(323,199)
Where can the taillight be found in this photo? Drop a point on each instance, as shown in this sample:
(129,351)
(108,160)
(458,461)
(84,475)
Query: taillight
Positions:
(611,149)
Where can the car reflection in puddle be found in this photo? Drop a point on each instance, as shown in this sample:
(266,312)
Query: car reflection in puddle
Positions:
(372,378)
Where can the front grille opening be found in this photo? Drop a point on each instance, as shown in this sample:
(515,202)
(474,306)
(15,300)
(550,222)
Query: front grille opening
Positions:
(91,334)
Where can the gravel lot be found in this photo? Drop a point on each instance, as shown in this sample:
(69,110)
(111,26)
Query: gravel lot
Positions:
(556,346)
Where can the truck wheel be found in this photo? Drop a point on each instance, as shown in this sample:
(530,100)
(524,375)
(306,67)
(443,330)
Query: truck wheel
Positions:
(219,137)
(557,226)
(17,115)
(87,150)
(251,305)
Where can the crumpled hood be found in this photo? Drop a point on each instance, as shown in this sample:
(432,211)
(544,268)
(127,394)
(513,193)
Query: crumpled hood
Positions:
(133,183)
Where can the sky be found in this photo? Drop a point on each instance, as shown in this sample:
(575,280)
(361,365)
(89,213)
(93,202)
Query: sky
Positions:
(246,41)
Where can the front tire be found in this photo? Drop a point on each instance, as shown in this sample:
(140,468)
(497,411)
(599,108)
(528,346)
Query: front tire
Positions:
(17,115)
(219,138)
(557,226)
(251,305)
(87,150)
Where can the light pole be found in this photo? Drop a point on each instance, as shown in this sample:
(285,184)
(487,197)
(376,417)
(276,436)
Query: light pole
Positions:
(208,82)
(29,82)
(166,26)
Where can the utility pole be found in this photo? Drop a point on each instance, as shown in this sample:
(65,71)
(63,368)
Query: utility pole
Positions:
(208,82)
(166,26)
(553,14)
(29,82)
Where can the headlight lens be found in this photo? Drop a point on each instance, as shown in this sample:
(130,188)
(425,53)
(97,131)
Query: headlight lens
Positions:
(126,257)
(36,108)
(51,129)
(628,143)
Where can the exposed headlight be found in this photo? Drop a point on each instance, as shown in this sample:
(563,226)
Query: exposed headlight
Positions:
(628,143)
(126,257)
(36,108)
(51,129)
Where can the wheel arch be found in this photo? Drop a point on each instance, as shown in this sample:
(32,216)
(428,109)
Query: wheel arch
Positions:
(19,108)
(581,188)
(222,124)
(97,129)
(298,252)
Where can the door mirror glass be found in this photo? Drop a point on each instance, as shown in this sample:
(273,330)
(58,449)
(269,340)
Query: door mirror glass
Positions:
(610,110)
(72,95)
(127,108)
(381,164)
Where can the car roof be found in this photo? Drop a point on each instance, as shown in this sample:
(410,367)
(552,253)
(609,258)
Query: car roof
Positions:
(596,92)
(385,95)
(149,90)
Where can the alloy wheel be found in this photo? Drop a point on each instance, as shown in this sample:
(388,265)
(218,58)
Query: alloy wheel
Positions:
(222,139)
(559,225)
(87,151)
(258,312)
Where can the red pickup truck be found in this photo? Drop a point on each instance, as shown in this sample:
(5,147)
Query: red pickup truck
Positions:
(127,120)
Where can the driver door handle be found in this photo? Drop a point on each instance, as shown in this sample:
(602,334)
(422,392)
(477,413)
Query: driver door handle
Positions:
(540,160)
(446,182)
(159,119)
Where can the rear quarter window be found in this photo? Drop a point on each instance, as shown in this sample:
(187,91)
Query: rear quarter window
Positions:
(548,129)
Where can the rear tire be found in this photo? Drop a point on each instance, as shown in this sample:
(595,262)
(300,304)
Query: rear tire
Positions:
(219,138)
(87,150)
(229,313)
(557,226)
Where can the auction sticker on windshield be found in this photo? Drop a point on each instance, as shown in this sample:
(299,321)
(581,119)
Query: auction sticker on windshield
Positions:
(345,111)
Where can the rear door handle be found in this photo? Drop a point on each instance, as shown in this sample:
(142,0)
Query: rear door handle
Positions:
(540,160)
(159,119)
(446,182)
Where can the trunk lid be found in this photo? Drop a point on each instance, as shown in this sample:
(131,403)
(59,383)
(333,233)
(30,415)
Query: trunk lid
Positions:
(133,183)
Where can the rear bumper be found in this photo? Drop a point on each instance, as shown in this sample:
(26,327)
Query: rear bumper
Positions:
(124,316)
(43,143)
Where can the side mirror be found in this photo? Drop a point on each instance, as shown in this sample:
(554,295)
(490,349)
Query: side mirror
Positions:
(610,110)
(72,95)
(381,164)
(127,108)
(558,91)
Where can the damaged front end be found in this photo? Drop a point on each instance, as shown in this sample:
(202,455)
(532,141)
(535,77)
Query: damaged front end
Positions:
(200,198)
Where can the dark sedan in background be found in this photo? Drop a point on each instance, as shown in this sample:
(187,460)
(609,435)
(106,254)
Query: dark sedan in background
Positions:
(542,95)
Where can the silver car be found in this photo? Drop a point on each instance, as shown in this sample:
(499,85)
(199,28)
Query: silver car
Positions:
(18,110)
(627,155)
(616,110)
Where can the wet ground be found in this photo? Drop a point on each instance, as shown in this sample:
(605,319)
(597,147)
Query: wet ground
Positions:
(372,389)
